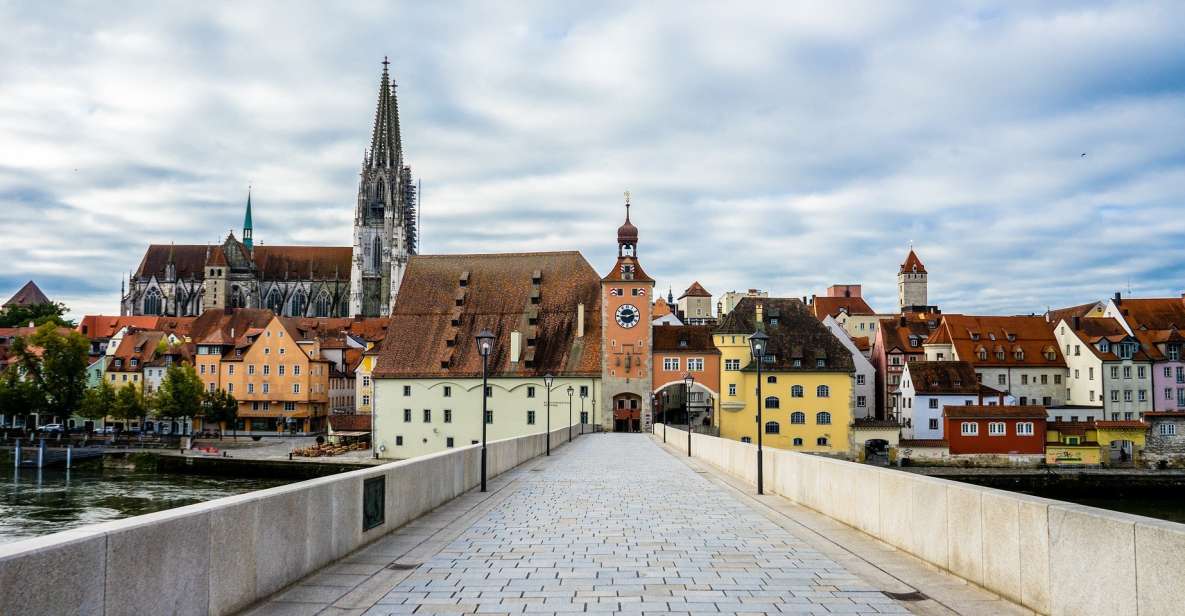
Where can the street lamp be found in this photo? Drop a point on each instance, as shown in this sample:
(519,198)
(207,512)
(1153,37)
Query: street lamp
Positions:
(485,343)
(658,405)
(583,419)
(758,343)
(570,391)
(547,381)
(688,381)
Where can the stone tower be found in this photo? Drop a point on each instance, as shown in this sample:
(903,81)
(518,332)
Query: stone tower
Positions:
(626,379)
(384,221)
(911,283)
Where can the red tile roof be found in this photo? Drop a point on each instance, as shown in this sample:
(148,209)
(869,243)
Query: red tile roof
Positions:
(912,264)
(896,332)
(100,327)
(943,377)
(28,295)
(993,335)
(447,299)
(691,338)
(922,442)
(976,411)
(695,290)
(1093,330)
(823,306)
(271,262)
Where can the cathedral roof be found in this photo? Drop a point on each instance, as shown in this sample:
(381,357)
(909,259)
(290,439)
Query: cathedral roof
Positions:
(385,141)
(271,262)
(445,300)
(28,295)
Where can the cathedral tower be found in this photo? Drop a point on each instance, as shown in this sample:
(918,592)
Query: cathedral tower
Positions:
(384,221)
(911,283)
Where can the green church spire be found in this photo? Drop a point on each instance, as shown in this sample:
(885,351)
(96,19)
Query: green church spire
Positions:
(247,241)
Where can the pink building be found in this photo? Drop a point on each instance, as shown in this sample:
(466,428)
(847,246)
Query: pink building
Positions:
(1156,323)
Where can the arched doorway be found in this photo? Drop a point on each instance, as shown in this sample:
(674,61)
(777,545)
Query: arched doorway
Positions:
(672,406)
(876,451)
(1122,453)
(627,413)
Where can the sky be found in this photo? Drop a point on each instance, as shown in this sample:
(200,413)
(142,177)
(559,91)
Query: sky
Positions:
(1032,153)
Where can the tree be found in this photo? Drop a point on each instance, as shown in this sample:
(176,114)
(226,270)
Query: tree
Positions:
(19,397)
(97,402)
(129,404)
(37,314)
(180,395)
(55,363)
(220,406)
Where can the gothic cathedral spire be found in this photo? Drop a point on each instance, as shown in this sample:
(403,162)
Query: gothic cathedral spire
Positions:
(248,232)
(384,219)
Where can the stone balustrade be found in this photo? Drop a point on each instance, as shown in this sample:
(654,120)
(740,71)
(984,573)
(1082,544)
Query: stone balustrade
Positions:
(221,556)
(1051,556)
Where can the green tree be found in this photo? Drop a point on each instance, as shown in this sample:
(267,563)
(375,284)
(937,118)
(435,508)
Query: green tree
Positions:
(181,394)
(129,404)
(37,314)
(19,397)
(220,406)
(55,363)
(97,402)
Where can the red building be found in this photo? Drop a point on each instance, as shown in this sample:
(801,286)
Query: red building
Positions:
(995,429)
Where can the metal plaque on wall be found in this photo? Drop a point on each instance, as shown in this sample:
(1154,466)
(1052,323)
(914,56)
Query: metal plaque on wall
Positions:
(374,502)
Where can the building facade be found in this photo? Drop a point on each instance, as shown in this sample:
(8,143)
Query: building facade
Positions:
(912,284)
(686,350)
(996,430)
(1157,323)
(626,347)
(1107,368)
(864,384)
(928,387)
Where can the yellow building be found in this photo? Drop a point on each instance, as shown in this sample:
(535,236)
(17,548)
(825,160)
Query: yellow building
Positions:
(364,380)
(806,378)
(1094,443)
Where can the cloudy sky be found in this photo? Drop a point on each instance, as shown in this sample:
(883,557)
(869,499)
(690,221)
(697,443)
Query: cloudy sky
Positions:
(786,147)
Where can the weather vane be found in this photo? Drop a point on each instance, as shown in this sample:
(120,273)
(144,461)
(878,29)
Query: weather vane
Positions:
(627,196)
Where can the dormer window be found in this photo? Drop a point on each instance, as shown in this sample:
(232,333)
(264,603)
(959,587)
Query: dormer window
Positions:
(974,336)
(820,363)
(773,320)
(1173,351)
(1011,337)
(982,354)
(1126,350)
(991,336)
(1104,346)
(915,341)
(1019,354)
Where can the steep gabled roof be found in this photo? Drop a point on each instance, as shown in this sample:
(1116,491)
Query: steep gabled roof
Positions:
(824,306)
(1024,341)
(796,336)
(28,295)
(943,377)
(912,264)
(691,338)
(445,300)
(1093,330)
(695,290)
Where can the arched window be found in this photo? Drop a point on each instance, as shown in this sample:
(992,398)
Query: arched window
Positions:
(380,190)
(377,253)
(238,299)
(772,402)
(153,303)
(323,306)
(275,301)
(772,427)
(771,379)
(823,391)
(823,418)
(797,442)
(797,417)
(796,391)
(821,441)
(300,303)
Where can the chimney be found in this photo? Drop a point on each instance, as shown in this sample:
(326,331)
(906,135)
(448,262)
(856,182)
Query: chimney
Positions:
(902,320)
(1118,299)
(580,320)
(1077,322)
(760,315)
(516,345)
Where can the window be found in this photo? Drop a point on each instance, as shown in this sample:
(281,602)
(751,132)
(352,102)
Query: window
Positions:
(296,388)
(1024,379)
(489,417)
(732,364)
(1180,375)
(798,417)
(202,370)
(1174,353)
(861,401)
(266,388)
(448,441)
(398,441)
(695,364)
(1127,372)
(823,418)
(822,391)
(933,403)
(530,392)
(1141,373)
(732,389)
(427,415)
(969,428)
(288,406)
(1024,428)
(1057,379)
(267,369)
(407,390)
(797,442)
(1114,372)
(230,388)
(448,416)
(1168,393)
(448,390)
(1001,379)
(295,370)
(745,439)
(1114,395)
(821,441)
(230,369)
(250,387)
(670,364)
(250,369)
(489,391)
(796,391)
(860,379)
(771,379)
(997,428)
(772,427)
(407,415)
(584,391)
(1167,429)
(280,369)
(1143,395)
(772,402)
(933,423)
(365,400)
(530,418)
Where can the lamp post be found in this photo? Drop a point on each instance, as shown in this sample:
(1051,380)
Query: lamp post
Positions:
(688,381)
(485,342)
(655,404)
(757,344)
(547,381)
(582,417)
(570,392)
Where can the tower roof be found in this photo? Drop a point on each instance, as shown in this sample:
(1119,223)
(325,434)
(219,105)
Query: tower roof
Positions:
(386,147)
(912,264)
(627,233)
(247,229)
(695,290)
(28,295)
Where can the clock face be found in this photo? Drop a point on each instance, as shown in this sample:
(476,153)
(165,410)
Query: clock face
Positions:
(627,316)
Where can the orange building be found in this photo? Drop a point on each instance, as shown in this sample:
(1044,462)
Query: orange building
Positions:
(680,350)
(626,345)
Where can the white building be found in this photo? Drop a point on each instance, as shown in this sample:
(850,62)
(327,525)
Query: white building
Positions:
(1107,368)
(928,386)
(864,379)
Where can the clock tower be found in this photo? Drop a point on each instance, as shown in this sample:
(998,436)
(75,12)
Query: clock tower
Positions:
(626,344)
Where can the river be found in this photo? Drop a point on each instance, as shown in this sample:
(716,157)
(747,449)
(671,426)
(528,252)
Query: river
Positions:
(38,502)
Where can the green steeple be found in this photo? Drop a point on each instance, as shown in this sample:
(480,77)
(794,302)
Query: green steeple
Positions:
(247,241)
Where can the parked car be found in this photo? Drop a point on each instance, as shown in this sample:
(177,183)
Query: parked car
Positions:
(54,428)
(108,430)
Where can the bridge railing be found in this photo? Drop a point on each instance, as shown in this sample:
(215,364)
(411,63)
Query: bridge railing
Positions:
(221,556)
(1051,556)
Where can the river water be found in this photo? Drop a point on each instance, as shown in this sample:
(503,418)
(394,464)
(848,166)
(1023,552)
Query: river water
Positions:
(38,502)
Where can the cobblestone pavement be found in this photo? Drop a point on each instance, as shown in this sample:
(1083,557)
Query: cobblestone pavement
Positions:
(613,524)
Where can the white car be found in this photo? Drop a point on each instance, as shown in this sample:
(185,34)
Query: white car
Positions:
(51,428)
